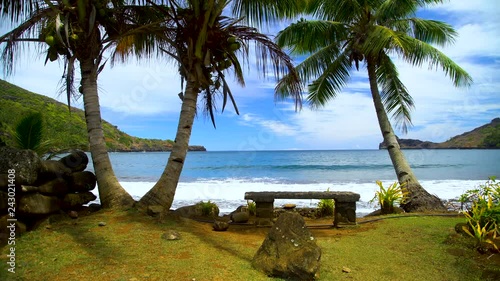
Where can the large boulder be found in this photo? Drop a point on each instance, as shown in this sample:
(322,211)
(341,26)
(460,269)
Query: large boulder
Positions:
(38,204)
(289,250)
(82,181)
(52,169)
(72,200)
(57,187)
(240,217)
(77,160)
(196,211)
(26,164)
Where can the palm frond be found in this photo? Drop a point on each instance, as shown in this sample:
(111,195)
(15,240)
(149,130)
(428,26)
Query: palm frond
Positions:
(395,97)
(329,84)
(308,36)
(261,12)
(390,10)
(345,11)
(22,34)
(432,32)
(29,132)
(415,52)
(16,9)
(269,52)
(316,64)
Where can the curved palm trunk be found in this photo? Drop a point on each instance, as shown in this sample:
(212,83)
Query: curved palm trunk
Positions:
(419,199)
(163,191)
(111,193)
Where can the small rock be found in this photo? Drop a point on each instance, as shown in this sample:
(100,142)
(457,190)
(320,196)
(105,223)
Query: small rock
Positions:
(220,226)
(102,223)
(133,279)
(289,206)
(171,235)
(346,269)
(73,214)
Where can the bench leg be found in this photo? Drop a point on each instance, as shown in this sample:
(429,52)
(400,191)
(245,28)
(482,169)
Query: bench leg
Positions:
(264,212)
(345,213)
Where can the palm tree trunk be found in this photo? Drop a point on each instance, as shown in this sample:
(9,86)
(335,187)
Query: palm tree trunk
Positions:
(163,191)
(111,193)
(419,199)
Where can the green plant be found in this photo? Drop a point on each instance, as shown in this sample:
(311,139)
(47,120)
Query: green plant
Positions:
(252,208)
(484,234)
(326,207)
(481,207)
(386,197)
(29,133)
(208,208)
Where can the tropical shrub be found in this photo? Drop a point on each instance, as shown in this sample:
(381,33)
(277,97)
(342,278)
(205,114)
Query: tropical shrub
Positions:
(326,207)
(481,207)
(252,208)
(387,197)
(208,208)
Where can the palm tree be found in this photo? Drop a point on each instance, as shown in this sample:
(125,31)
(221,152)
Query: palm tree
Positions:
(80,31)
(206,45)
(349,32)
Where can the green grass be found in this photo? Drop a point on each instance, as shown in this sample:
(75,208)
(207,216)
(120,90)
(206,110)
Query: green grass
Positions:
(129,246)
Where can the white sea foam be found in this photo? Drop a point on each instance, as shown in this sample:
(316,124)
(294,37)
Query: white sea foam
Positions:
(230,193)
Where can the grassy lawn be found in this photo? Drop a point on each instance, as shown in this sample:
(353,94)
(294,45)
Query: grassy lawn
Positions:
(129,248)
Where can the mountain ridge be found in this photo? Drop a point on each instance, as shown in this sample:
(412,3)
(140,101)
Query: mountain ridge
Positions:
(67,130)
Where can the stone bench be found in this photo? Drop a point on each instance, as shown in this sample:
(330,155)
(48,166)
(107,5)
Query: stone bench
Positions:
(344,212)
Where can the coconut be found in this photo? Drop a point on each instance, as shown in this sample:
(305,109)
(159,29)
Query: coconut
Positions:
(49,39)
(234,46)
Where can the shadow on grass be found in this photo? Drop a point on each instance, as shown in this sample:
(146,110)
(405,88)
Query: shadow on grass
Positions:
(98,241)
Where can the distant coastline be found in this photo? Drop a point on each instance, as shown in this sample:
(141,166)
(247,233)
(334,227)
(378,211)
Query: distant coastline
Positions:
(483,137)
(168,149)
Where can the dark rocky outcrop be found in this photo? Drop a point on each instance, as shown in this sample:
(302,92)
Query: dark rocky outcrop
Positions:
(289,250)
(196,148)
(412,143)
(77,161)
(26,164)
(42,187)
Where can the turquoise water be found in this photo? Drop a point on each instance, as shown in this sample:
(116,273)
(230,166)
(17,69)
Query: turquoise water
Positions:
(311,166)
(224,177)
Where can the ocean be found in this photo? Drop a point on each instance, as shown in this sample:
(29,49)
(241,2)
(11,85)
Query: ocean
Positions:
(223,177)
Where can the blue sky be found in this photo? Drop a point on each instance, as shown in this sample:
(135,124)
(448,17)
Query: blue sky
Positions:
(141,98)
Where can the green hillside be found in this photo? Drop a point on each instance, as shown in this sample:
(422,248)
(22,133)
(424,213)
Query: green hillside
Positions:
(65,130)
(486,136)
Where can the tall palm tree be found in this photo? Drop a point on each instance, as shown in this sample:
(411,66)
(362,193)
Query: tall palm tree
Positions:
(348,33)
(80,31)
(206,45)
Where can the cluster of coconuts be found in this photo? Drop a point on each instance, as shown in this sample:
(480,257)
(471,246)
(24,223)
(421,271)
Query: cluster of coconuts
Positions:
(220,58)
(58,42)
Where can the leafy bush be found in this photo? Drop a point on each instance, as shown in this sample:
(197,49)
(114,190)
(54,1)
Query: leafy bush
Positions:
(481,207)
(252,208)
(386,198)
(208,208)
(326,207)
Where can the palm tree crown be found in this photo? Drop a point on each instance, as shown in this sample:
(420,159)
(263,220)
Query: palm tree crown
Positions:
(351,32)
